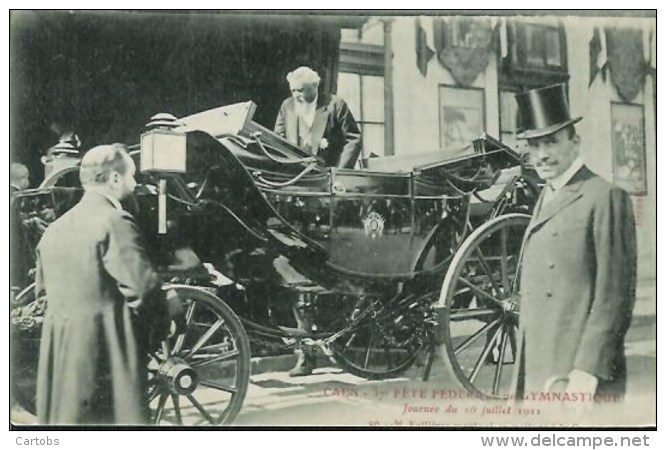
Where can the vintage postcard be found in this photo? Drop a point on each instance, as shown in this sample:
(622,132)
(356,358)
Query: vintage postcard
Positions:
(429,219)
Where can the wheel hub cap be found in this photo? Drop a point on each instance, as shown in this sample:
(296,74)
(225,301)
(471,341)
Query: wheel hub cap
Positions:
(178,376)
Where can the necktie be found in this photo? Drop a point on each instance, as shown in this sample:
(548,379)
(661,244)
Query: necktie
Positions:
(549,193)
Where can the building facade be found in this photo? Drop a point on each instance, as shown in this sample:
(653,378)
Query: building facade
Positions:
(432,83)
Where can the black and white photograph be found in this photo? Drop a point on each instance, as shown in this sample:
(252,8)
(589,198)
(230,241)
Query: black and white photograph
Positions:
(426,219)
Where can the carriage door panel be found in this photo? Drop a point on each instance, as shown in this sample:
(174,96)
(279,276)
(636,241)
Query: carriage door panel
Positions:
(371,222)
(439,228)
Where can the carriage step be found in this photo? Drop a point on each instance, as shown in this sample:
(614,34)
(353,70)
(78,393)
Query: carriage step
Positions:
(310,289)
(296,333)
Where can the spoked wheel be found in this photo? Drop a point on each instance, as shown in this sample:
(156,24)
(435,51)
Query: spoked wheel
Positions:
(386,340)
(197,378)
(480,307)
(201,376)
(65,177)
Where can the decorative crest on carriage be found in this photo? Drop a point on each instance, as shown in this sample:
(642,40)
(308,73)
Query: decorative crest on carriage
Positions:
(374,225)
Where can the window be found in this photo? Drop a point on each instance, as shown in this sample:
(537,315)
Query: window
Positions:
(541,47)
(350,35)
(538,47)
(537,57)
(509,125)
(361,84)
(365,96)
(508,119)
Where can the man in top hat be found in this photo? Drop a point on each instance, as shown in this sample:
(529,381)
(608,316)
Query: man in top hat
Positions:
(321,124)
(578,273)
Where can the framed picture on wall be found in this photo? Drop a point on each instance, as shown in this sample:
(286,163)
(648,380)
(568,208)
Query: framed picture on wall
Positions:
(461,118)
(628,127)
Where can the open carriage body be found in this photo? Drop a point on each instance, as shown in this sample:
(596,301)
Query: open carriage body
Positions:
(388,262)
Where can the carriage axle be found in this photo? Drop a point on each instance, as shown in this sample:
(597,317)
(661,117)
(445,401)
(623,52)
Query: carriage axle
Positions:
(178,376)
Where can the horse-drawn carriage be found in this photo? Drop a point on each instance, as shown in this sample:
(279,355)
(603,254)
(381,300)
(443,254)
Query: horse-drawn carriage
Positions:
(390,262)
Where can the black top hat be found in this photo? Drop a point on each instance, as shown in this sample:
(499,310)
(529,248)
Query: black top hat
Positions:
(544,111)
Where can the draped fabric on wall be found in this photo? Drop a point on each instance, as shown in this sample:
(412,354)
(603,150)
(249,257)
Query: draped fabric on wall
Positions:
(423,52)
(598,63)
(626,62)
(107,73)
(464,46)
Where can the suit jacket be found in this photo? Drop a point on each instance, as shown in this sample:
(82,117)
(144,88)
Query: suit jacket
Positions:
(333,121)
(103,295)
(577,284)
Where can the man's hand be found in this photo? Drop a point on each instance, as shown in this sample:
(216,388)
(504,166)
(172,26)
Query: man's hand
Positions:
(581,382)
(36,224)
(176,313)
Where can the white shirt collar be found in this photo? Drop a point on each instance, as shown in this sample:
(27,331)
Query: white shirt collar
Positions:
(558,182)
(94,191)
(313,103)
(116,204)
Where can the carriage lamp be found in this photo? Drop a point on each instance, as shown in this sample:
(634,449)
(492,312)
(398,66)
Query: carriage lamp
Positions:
(162,207)
(162,148)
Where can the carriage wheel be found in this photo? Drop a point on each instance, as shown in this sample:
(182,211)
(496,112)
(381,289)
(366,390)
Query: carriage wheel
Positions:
(479,305)
(197,378)
(201,376)
(386,342)
(65,177)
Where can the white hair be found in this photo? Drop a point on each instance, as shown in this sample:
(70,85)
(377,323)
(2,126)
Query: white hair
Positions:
(303,74)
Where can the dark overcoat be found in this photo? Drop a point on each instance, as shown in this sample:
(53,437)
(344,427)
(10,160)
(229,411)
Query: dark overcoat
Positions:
(333,121)
(577,285)
(103,296)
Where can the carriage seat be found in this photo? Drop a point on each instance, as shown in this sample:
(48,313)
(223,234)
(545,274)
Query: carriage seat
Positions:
(408,163)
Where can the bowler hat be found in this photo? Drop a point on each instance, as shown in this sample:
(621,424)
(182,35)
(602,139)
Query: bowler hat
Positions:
(544,111)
